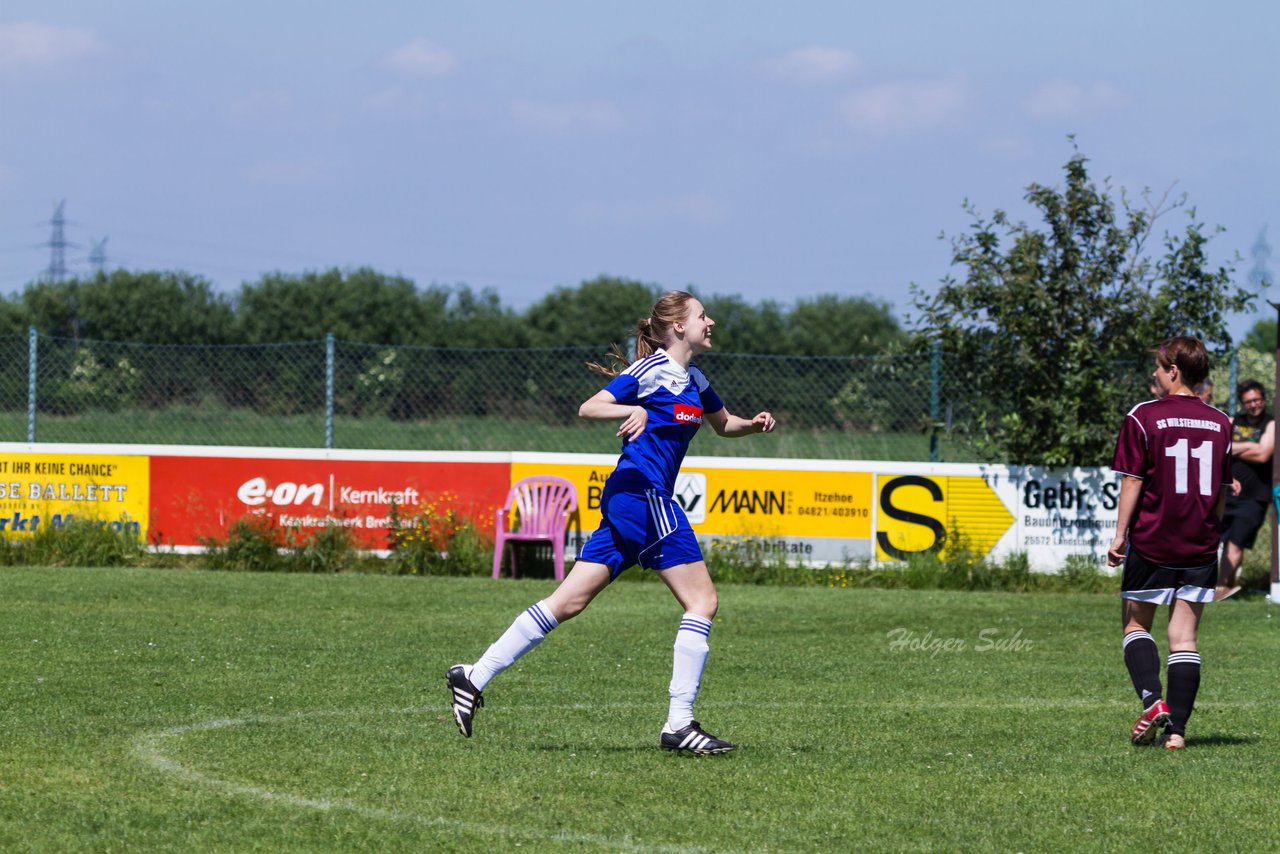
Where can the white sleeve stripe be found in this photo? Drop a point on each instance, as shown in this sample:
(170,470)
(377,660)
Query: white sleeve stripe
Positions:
(1139,423)
(643,366)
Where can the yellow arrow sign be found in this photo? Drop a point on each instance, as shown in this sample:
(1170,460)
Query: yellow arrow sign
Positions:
(918,513)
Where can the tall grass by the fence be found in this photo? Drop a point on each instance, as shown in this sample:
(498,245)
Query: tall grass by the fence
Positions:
(218,426)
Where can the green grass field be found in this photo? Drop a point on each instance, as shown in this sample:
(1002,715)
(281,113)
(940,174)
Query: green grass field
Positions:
(193,711)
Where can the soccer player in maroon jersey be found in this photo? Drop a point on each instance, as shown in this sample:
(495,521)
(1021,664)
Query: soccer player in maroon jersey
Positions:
(1174,455)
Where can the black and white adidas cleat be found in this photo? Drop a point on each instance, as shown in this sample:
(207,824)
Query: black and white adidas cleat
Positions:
(466,699)
(693,739)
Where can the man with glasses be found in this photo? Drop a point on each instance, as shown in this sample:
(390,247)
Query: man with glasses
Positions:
(1252,443)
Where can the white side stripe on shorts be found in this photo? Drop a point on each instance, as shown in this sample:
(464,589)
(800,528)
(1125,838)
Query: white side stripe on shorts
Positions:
(663,523)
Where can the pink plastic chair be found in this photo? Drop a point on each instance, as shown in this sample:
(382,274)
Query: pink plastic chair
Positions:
(543,504)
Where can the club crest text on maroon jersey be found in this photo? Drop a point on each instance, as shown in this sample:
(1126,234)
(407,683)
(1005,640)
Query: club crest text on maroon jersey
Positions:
(1194,423)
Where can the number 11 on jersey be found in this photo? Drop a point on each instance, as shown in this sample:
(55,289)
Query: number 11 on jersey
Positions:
(1203,454)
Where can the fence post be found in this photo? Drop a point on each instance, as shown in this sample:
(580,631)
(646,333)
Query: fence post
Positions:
(32,351)
(328,391)
(1232,381)
(1274,596)
(935,372)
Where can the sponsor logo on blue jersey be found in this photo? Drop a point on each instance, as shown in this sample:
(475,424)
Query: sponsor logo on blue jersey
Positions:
(685,414)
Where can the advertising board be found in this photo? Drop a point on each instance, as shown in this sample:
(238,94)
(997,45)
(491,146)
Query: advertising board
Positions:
(195,498)
(56,489)
(809,515)
(810,511)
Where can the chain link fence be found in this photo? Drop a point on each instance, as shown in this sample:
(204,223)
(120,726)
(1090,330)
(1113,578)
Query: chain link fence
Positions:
(340,394)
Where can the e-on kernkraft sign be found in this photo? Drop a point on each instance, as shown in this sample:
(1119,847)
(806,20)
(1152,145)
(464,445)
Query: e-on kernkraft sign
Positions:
(196,498)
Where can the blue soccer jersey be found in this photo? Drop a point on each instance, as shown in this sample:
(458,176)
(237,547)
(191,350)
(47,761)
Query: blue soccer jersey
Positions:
(675,400)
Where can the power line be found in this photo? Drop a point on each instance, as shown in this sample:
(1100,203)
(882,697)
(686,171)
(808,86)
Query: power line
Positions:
(58,245)
(98,255)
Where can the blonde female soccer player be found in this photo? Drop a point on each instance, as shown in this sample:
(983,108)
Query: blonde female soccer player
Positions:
(660,399)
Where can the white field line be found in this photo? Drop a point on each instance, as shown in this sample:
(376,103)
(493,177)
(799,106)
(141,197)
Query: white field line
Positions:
(149,748)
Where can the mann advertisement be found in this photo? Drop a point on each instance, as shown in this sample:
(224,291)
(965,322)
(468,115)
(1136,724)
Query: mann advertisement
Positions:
(808,511)
(807,515)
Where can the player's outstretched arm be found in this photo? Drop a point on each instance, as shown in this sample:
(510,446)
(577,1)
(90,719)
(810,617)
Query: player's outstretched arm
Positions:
(725,423)
(603,406)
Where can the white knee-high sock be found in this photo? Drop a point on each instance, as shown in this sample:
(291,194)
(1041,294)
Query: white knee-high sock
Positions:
(686,671)
(528,630)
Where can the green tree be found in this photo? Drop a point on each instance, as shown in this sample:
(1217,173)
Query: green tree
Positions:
(13,317)
(155,308)
(355,305)
(743,327)
(107,338)
(603,311)
(1053,325)
(831,325)
(475,319)
(52,307)
(1262,335)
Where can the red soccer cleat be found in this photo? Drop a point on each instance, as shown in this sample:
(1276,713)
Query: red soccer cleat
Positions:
(1144,730)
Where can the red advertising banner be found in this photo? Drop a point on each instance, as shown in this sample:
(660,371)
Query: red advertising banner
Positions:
(193,498)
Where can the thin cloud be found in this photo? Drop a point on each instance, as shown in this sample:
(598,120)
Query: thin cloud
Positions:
(292,173)
(1006,146)
(906,107)
(422,58)
(33,43)
(568,119)
(696,208)
(1063,100)
(396,101)
(813,64)
(261,104)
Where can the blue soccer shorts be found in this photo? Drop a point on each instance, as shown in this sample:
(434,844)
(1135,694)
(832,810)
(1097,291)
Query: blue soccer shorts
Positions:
(641,527)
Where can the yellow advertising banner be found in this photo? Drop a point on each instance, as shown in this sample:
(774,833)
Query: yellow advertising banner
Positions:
(38,490)
(917,513)
(823,516)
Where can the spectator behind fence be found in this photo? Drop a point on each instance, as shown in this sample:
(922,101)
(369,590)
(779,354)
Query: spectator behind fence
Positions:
(1252,443)
(1204,391)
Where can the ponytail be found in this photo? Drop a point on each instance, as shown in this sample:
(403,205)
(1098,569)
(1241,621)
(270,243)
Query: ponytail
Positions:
(651,333)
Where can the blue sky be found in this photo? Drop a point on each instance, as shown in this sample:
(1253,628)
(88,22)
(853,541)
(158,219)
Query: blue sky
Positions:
(778,151)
